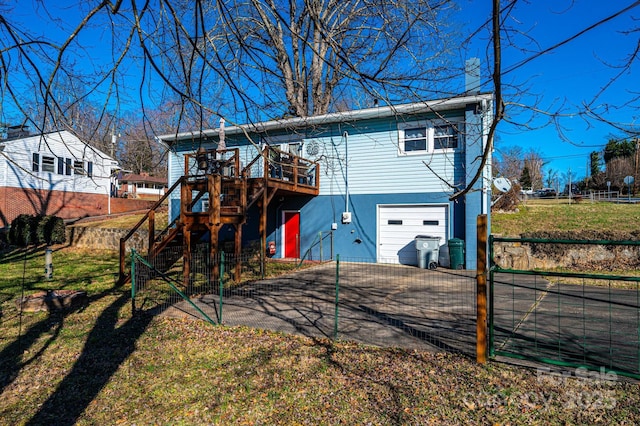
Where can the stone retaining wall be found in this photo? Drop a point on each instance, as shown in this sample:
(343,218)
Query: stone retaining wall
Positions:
(592,257)
(507,255)
(106,238)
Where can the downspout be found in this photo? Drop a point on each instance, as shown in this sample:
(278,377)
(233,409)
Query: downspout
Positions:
(278,230)
(346,170)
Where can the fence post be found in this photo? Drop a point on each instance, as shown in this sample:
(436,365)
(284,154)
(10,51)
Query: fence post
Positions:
(490,295)
(335,316)
(121,261)
(481,286)
(133,281)
(221,283)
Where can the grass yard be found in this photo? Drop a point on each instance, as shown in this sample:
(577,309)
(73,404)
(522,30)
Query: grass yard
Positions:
(98,365)
(125,221)
(547,215)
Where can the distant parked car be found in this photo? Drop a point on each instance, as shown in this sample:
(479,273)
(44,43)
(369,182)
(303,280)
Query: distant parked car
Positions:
(574,190)
(546,192)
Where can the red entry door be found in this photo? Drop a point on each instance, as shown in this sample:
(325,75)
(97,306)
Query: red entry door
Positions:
(292,234)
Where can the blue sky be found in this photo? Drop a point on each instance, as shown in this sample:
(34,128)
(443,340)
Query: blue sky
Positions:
(559,81)
(565,78)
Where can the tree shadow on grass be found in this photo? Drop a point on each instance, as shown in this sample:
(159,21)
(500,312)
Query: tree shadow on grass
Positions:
(10,358)
(11,362)
(107,346)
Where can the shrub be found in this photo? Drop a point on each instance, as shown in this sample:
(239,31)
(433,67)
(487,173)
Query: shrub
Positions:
(4,238)
(26,229)
(507,201)
(50,230)
(20,231)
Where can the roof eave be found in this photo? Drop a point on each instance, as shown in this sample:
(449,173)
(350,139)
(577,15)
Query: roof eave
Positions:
(336,117)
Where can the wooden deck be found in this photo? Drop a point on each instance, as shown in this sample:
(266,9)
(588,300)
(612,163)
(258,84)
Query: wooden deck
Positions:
(216,191)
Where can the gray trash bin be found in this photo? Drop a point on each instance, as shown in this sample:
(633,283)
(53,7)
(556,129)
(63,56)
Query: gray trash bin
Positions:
(427,250)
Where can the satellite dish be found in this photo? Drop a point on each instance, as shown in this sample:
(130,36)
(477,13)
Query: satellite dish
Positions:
(502,184)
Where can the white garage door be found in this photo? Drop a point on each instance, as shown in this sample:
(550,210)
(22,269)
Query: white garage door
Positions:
(398,226)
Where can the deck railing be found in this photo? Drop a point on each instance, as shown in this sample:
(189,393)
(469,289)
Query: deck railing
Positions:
(274,166)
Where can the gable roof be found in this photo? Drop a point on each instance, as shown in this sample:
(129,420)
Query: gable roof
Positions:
(63,136)
(388,111)
(134,178)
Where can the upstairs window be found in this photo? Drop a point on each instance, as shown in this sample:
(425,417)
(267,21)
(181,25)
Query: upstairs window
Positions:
(445,137)
(68,168)
(428,137)
(90,168)
(415,139)
(60,165)
(35,162)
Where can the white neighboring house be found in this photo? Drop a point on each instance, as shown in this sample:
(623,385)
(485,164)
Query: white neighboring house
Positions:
(53,174)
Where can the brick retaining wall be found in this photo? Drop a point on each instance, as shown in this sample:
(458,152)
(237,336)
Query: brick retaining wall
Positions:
(66,205)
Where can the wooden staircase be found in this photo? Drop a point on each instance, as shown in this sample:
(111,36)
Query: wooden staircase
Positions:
(215,179)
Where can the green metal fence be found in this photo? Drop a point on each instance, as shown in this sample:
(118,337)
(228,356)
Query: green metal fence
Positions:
(568,316)
(350,299)
(155,290)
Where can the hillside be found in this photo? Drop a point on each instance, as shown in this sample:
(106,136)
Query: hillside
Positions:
(545,217)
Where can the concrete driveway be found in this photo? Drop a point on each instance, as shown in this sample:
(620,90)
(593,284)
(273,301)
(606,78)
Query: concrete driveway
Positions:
(408,307)
(382,305)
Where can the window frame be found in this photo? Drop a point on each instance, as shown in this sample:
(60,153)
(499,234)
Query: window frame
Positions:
(78,168)
(60,165)
(48,164)
(429,127)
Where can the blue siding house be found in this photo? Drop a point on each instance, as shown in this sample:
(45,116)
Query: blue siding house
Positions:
(383,176)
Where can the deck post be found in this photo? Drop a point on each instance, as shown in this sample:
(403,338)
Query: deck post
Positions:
(238,251)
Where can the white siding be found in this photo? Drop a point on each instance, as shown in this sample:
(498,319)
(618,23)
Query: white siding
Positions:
(17,167)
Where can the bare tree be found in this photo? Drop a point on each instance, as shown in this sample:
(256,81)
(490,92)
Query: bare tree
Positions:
(246,60)
(138,149)
(509,162)
(534,163)
(250,60)
(314,52)
(617,169)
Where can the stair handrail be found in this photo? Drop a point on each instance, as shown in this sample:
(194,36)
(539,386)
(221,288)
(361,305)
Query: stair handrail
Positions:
(144,218)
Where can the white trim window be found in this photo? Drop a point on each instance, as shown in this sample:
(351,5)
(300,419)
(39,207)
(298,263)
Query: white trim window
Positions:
(425,137)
